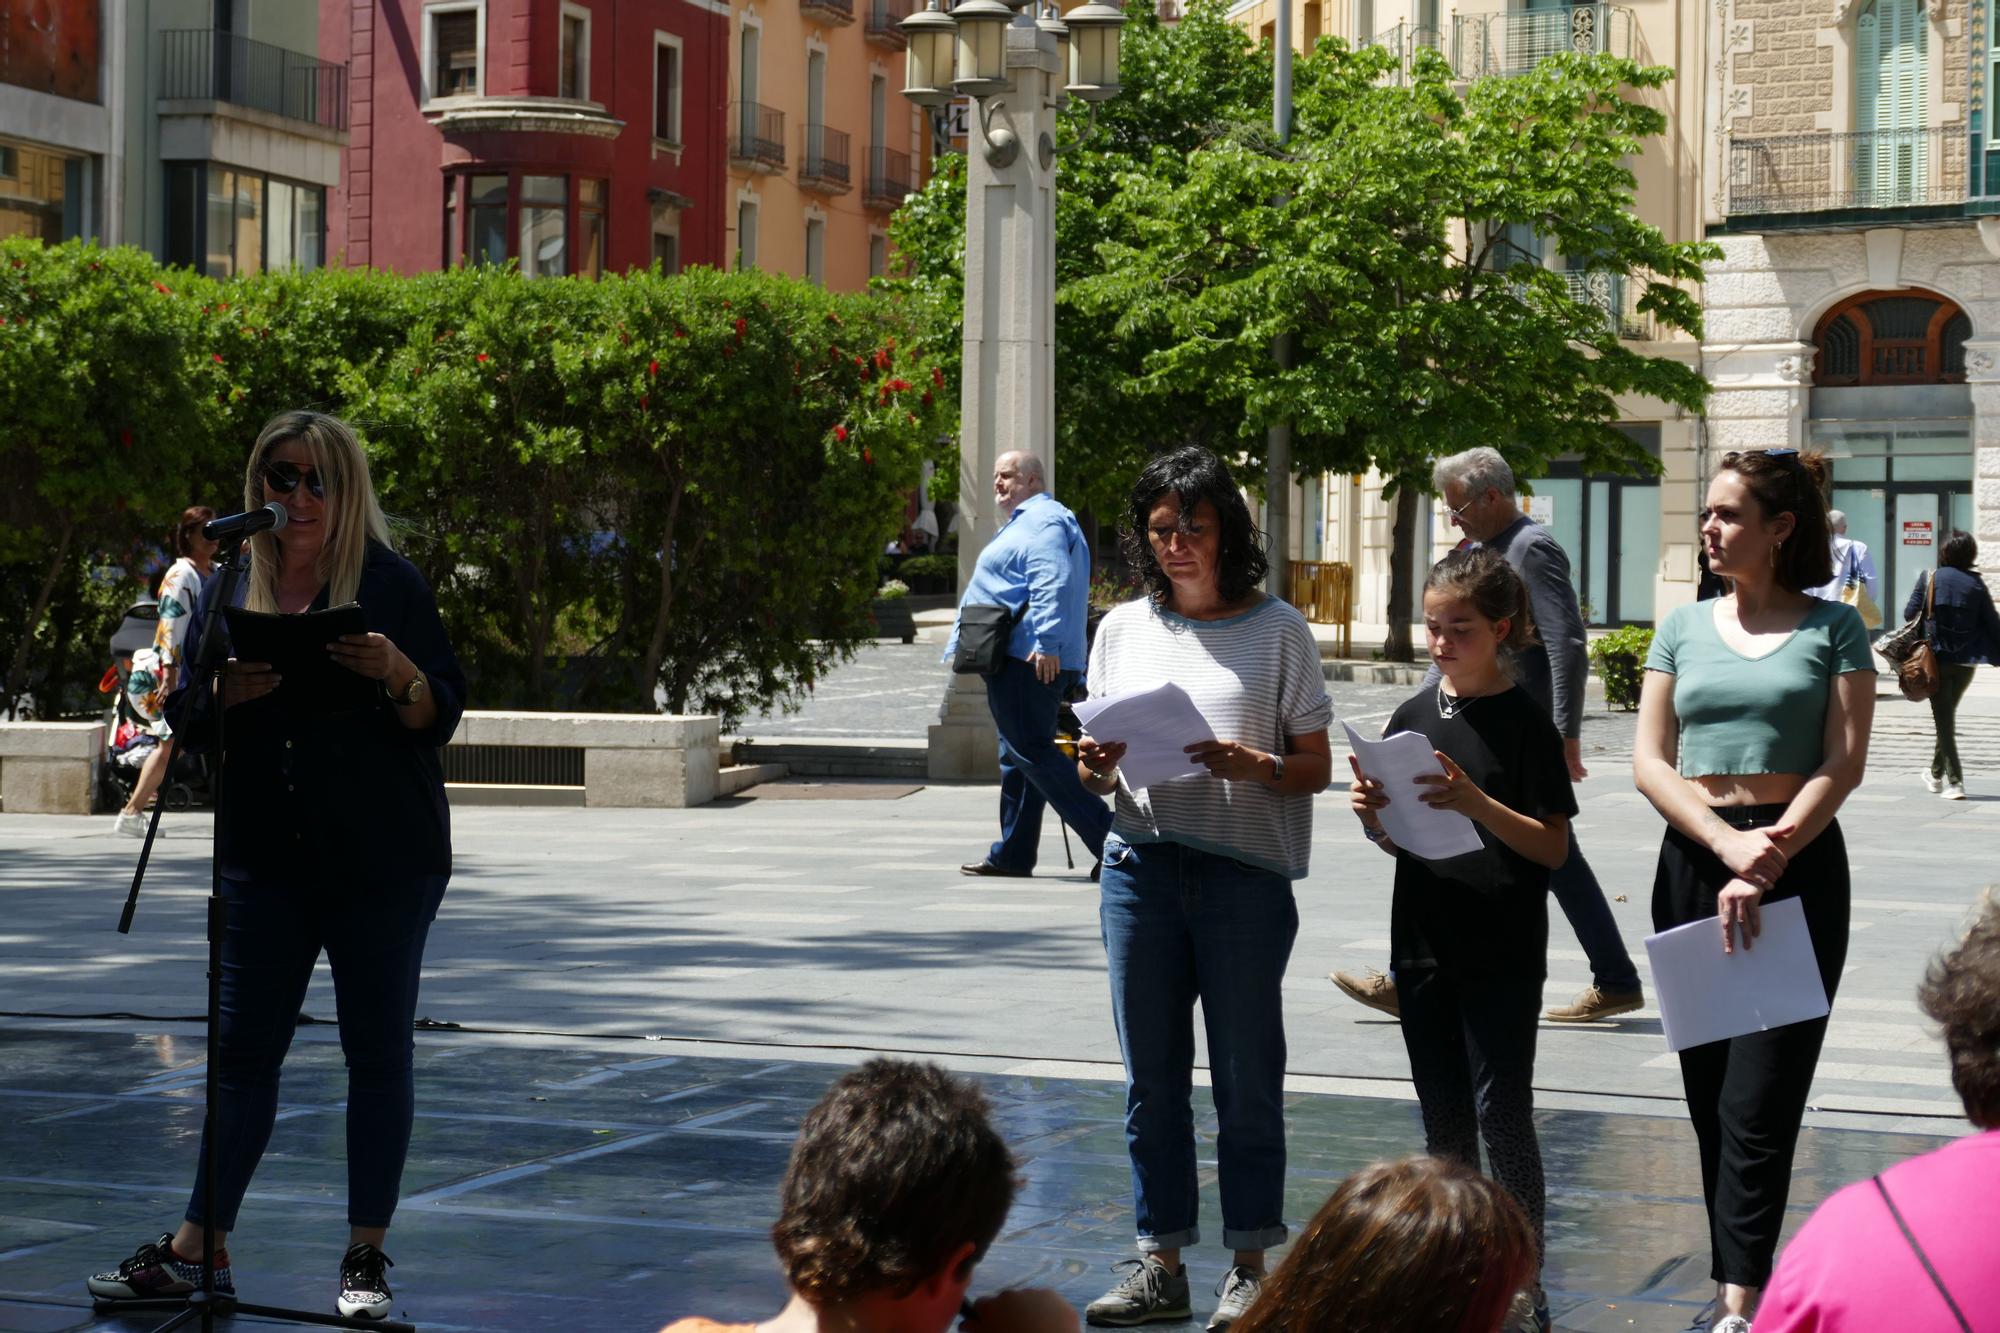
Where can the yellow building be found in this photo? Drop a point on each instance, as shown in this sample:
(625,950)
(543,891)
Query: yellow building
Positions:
(1631,541)
(822,144)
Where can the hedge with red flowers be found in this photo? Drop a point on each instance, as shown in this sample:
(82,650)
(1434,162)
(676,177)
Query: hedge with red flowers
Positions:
(634,493)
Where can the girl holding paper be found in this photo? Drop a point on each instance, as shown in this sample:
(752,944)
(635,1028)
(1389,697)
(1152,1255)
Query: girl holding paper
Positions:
(1469,934)
(1198,872)
(1753,728)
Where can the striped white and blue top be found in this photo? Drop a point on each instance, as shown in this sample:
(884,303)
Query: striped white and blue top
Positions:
(1256,677)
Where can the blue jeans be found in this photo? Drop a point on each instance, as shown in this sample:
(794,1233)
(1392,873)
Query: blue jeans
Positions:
(1181,925)
(272,937)
(1577,892)
(1034,774)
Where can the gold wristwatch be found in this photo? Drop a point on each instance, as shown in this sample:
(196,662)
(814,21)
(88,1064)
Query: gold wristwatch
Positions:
(413,693)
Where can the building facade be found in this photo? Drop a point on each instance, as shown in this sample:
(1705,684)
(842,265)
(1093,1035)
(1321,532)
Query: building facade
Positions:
(822,144)
(568,136)
(1630,538)
(1857,305)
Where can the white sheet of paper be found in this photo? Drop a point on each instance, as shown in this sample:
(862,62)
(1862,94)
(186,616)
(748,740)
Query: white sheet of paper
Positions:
(1421,830)
(1707,995)
(1156,724)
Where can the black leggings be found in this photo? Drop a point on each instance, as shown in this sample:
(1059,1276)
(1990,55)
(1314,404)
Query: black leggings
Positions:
(1747,1096)
(1471,1043)
(1954,678)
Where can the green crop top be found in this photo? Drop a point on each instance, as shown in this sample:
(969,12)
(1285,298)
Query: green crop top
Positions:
(1756,714)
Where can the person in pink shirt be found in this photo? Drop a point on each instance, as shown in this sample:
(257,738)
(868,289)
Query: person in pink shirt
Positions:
(1917,1248)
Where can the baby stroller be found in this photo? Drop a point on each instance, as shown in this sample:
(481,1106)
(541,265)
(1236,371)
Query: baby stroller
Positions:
(130,679)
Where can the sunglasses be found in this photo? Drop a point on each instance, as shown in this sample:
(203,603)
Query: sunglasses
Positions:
(1786,456)
(284,478)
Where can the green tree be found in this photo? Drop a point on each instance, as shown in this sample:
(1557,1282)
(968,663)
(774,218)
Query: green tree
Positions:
(1377,240)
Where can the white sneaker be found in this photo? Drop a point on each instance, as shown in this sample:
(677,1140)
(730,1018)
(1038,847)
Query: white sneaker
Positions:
(1734,1323)
(1953,791)
(130,825)
(1933,783)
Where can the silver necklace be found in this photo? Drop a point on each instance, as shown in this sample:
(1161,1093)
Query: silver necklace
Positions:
(1453,709)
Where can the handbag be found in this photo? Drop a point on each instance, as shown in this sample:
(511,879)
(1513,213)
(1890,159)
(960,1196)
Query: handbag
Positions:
(1917,672)
(1929,1268)
(1896,644)
(984,631)
(1854,592)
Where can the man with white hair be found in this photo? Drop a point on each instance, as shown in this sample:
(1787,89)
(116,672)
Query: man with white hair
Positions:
(1852,563)
(1478,489)
(1038,565)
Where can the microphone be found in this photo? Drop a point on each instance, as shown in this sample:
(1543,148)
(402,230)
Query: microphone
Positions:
(270,518)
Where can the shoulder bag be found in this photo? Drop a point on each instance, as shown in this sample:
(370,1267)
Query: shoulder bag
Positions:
(1854,591)
(1917,670)
(984,632)
(1922,1258)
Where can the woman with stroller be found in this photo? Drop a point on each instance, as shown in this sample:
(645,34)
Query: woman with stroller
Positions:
(148,690)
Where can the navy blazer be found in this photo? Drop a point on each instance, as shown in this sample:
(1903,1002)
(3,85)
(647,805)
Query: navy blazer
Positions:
(1964,627)
(354,798)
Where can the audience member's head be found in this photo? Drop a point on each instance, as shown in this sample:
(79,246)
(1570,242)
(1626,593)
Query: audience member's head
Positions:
(897,1185)
(1962,993)
(1420,1244)
(1958,551)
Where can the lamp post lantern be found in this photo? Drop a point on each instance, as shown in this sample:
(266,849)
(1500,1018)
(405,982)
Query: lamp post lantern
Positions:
(1018,60)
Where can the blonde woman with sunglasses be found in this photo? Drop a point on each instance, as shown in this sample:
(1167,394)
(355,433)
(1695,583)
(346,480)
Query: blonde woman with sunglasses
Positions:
(333,835)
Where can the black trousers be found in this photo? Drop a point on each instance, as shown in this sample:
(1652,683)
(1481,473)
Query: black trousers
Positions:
(1747,1096)
(1954,678)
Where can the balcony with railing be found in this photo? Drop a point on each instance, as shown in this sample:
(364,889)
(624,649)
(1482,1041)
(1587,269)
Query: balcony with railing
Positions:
(885,23)
(889,178)
(209,65)
(825,164)
(1618,297)
(757,136)
(1819,180)
(1485,45)
(838,13)
(1404,41)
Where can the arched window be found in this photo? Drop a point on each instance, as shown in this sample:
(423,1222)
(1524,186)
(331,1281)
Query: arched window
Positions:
(1891,338)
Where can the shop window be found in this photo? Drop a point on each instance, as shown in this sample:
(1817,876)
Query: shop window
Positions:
(454,36)
(224,221)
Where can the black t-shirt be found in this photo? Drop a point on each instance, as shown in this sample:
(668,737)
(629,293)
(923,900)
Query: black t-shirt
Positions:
(1486,911)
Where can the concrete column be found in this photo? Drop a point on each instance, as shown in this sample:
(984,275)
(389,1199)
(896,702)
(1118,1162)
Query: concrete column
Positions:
(1008,390)
(1982,376)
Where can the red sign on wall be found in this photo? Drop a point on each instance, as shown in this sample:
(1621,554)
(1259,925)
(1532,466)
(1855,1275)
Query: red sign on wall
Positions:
(1916,532)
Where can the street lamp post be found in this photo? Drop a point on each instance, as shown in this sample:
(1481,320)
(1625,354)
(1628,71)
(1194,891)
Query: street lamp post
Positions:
(1018,62)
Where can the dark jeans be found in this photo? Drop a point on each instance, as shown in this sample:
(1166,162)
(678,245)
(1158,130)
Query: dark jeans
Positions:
(1034,774)
(374,941)
(1953,680)
(1577,891)
(1182,925)
(1747,1096)
(1471,1043)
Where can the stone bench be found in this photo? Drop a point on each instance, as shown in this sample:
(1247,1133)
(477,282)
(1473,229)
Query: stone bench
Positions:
(50,768)
(629,759)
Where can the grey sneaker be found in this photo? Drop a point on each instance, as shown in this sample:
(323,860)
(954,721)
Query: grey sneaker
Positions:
(1595,1005)
(1374,990)
(1730,1323)
(1238,1289)
(1147,1293)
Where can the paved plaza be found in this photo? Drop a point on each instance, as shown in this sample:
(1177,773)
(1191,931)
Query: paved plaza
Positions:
(636,1007)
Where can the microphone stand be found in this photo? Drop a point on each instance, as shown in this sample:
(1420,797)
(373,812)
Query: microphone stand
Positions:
(203,673)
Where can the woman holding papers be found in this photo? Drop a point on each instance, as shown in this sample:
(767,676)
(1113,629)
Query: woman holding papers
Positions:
(333,834)
(1198,871)
(1469,933)
(1753,728)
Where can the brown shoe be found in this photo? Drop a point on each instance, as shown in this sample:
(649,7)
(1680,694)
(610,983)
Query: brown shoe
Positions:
(988,868)
(1374,990)
(1595,1005)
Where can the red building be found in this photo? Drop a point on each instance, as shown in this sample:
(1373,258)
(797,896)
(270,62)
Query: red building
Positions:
(573,136)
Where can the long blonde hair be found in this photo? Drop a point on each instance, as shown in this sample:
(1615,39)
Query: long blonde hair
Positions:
(353,515)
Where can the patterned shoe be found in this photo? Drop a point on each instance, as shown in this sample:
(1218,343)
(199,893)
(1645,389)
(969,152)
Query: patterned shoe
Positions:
(364,1283)
(156,1273)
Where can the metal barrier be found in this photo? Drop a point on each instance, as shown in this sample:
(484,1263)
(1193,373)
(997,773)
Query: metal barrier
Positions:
(213,65)
(1323,591)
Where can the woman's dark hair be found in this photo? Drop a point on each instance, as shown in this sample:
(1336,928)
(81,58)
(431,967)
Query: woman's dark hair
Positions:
(1424,1243)
(1961,993)
(1958,550)
(185,531)
(1482,576)
(1194,474)
(894,1169)
(1789,482)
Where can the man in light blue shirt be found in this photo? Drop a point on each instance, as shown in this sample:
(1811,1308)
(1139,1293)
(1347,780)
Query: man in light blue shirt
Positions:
(1038,560)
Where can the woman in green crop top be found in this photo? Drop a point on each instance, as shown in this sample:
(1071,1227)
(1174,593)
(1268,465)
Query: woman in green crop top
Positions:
(1753,728)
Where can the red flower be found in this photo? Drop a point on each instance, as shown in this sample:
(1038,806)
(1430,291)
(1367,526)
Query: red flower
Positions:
(643,402)
(217,357)
(125,436)
(481,356)
(725,305)
(927,397)
(840,433)
(680,333)
(898,385)
(741,325)
(881,359)
(652,367)
(867,457)
(937,377)
(158,286)
(223,306)
(831,318)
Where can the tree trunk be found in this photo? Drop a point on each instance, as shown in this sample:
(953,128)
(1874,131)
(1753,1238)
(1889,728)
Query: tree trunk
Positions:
(1402,560)
(17,670)
(656,646)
